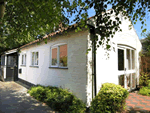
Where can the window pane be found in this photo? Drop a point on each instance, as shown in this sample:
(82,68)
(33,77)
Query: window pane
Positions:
(120,59)
(128,81)
(25,60)
(121,80)
(63,55)
(133,80)
(54,56)
(36,58)
(22,59)
(133,59)
(32,58)
(11,60)
(2,60)
(128,60)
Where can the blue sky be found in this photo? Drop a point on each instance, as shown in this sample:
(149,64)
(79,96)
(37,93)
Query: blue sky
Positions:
(137,26)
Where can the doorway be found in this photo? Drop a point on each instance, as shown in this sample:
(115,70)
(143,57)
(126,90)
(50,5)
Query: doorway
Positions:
(126,67)
(12,67)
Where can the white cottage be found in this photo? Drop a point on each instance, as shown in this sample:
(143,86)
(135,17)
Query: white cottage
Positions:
(63,62)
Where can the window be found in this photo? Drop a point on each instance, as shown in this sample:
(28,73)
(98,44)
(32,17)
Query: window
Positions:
(3,60)
(54,56)
(128,59)
(59,56)
(11,61)
(120,59)
(126,56)
(133,59)
(35,56)
(24,59)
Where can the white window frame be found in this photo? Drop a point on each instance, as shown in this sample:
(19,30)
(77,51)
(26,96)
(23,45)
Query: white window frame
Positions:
(126,72)
(23,60)
(35,58)
(58,59)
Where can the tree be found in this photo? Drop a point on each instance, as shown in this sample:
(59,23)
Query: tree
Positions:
(146,44)
(2,8)
(25,20)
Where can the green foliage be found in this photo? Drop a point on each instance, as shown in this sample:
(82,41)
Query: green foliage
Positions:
(58,99)
(25,20)
(141,54)
(145,91)
(110,99)
(38,92)
(144,79)
(146,44)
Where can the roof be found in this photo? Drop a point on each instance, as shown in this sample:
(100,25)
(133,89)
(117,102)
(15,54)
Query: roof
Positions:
(11,51)
(51,35)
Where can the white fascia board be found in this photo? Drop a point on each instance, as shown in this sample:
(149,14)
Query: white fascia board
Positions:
(11,51)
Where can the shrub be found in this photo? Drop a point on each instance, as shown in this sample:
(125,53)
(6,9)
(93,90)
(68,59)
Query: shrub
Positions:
(64,101)
(38,92)
(149,84)
(145,91)
(58,99)
(144,79)
(110,99)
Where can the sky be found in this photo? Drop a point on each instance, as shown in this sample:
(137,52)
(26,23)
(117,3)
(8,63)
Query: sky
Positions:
(137,26)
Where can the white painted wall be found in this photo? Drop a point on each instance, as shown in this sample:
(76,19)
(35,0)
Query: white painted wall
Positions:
(73,78)
(107,61)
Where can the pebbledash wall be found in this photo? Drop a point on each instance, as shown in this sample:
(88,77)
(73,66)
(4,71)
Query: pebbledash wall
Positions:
(74,78)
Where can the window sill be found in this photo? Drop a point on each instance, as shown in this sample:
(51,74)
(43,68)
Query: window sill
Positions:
(23,65)
(35,66)
(59,67)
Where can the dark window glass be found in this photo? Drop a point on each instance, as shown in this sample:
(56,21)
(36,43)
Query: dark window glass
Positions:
(120,59)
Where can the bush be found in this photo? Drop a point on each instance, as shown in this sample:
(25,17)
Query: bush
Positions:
(110,99)
(58,99)
(145,91)
(64,101)
(144,79)
(38,93)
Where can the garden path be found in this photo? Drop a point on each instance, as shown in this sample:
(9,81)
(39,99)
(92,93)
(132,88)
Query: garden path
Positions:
(15,99)
(138,103)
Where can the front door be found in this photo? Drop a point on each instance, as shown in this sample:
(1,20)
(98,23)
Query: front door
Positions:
(12,67)
(126,67)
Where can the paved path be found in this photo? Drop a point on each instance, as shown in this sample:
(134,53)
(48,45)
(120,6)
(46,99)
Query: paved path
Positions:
(138,103)
(14,99)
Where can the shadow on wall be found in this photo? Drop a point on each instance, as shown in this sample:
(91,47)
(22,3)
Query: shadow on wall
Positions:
(107,52)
